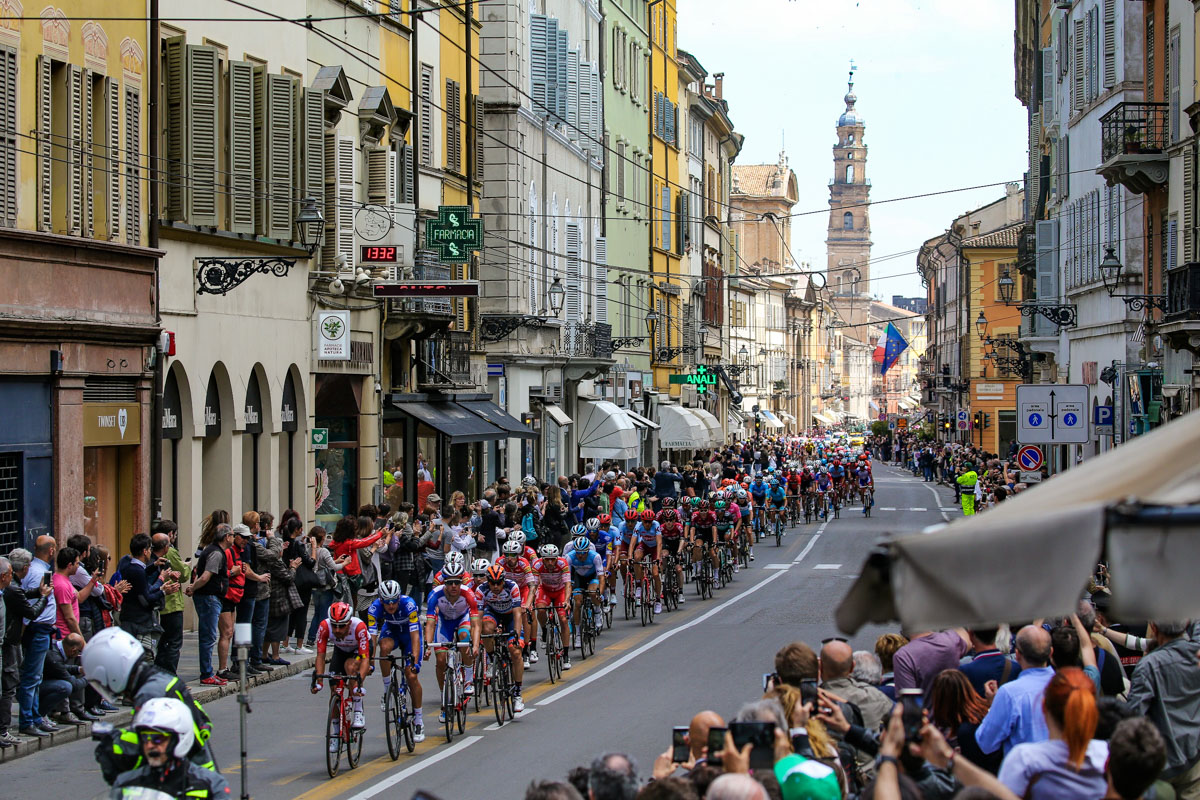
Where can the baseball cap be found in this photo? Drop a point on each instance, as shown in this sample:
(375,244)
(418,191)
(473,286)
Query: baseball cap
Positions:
(241,530)
(434,497)
(803,778)
(484,504)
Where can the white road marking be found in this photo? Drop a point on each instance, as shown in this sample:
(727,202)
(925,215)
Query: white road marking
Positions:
(937,499)
(887,508)
(828,566)
(662,637)
(392,780)
(917,509)
(495,726)
(778,566)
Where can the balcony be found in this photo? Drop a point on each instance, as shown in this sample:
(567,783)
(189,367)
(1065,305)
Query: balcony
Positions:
(588,348)
(444,362)
(409,317)
(1181,321)
(1133,145)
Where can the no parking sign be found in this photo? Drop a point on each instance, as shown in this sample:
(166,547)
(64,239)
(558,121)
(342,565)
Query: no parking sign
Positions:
(1029,458)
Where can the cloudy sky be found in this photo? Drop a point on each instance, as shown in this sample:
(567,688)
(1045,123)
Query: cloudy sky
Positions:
(934,83)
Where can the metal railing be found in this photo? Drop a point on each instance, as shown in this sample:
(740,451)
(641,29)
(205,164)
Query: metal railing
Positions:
(587,339)
(427,269)
(445,359)
(1134,129)
(1183,293)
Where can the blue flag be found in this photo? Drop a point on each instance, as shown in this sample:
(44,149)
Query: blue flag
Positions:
(892,349)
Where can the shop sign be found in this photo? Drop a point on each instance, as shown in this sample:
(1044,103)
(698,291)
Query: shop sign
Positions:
(635,390)
(702,379)
(212,409)
(454,234)
(287,410)
(333,335)
(172,422)
(111,424)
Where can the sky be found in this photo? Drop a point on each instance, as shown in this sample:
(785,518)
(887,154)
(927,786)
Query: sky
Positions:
(934,83)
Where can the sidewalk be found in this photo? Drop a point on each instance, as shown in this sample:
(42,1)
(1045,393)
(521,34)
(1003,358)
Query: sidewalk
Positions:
(189,670)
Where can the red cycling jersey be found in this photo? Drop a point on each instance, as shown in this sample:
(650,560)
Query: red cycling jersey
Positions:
(520,573)
(552,573)
(356,637)
(671,530)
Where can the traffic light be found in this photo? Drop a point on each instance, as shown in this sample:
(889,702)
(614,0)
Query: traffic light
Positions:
(977,420)
(987,420)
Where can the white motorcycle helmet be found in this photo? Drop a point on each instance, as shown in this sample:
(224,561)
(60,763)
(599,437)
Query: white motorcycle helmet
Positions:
(108,660)
(167,714)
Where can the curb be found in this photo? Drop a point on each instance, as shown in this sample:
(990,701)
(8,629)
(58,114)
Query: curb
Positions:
(202,695)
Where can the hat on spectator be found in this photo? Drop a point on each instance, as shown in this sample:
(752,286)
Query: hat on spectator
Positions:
(241,530)
(433,497)
(485,505)
(803,778)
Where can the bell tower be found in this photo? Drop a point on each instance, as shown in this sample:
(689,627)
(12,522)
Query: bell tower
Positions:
(848,239)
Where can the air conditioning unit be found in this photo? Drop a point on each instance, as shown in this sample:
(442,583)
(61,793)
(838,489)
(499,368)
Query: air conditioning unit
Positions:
(551,393)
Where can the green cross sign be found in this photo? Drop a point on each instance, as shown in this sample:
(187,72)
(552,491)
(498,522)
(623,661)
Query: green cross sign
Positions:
(454,234)
(702,379)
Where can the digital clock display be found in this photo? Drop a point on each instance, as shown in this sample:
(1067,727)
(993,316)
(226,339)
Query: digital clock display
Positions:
(378,253)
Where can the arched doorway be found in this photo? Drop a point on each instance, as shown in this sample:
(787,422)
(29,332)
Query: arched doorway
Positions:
(217,447)
(291,446)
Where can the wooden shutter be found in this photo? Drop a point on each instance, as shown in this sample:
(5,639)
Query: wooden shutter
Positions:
(1035,158)
(281,130)
(619,165)
(681,222)
(1089,38)
(1173,84)
(201,156)
(477,102)
(313,184)
(1110,43)
(534,291)
(85,151)
(551,108)
(575,97)
(426,121)
(1077,67)
(1172,244)
(175,122)
(381,176)
(666,218)
(597,116)
(71,149)
(1189,209)
(453,127)
(133,166)
(561,88)
(574,304)
(347,175)
(1048,84)
(407,174)
(1065,175)
(243,109)
(539,89)
(600,271)
(112,157)
(8,137)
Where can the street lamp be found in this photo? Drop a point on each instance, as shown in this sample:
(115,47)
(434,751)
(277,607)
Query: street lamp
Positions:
(762,352)
(310,225)
(703,335)
(494,327)
(557,294)
(1007,286)
(743,352)
(1110,271)
(651,322)
(981,324)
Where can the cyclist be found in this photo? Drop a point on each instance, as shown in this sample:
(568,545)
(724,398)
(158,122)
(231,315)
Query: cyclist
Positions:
(758,492)
(823,486)
(587,571)
(621,545)
(742,498)
(519,570)
(702,528)
(777,498)
(733,516)
(116,666)
(592,528)
(501,601)
(647,542)
(164,730)
(605,539)
(793,487)
(351,655)
(527,552)
(553,572)
(393,619)
(452,616)
(866,483)
(456,561)
(672,539)
(837,474)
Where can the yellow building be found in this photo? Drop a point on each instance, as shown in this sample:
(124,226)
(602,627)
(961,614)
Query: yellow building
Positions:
(666,251)
(79,283)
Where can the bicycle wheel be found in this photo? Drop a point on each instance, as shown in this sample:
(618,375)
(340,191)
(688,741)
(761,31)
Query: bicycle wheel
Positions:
(460,709)
(608,613)
(333,738)
(589,626)
(393,719)
(646,606)
(499,686)
(408,727)
(553,653)
(779,533)
(354,746)
(480,680)
(448,702)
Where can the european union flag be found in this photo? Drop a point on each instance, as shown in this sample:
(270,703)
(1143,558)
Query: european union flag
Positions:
(892,349)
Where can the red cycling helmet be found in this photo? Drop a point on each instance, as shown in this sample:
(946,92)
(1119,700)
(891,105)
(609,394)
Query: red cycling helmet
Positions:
(668,502)
(340,614)
(605,519)
(669,515)
(631,516)
(647,516)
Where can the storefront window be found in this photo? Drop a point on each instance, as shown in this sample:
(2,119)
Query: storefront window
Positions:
(337,470)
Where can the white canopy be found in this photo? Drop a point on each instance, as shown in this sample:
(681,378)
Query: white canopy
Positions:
(605,431)
(786,417)
(770,420)
(1032,555)
(558,415)
(716,435)
(824,420)
(681,429)
(641,421)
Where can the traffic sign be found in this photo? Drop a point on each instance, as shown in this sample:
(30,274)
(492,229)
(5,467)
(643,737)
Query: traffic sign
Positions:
(902,422)
(454,234)
(1052,413)
(964,419)
(1102,418)
(891,425)
(1029,458)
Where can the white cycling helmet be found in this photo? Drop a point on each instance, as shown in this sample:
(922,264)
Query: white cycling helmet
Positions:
(480,566)
(452,569)
(389,591)
(592,524)
(511,548)
(518,537)
(457,559)
(549,551)
(168,715)
(108,660)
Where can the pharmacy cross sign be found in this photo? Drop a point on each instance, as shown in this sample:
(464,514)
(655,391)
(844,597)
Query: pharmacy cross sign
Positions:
(702,379)
(454,234)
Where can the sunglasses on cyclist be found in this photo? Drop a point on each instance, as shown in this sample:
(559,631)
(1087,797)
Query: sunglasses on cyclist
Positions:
(453,582)
(154,737)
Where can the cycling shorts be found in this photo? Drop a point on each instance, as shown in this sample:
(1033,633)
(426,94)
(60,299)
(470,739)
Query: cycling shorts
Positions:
(400,636)
(447,629)
(582,582)
(550,597)
(708,534)
(650,551)
(503,622)
(337,664)
(673,546)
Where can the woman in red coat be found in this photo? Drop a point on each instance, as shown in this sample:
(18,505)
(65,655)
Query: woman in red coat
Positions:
(345,544)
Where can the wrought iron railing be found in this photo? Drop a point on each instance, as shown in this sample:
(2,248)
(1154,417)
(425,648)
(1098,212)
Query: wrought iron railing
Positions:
(427,269)
(1183,293)
(1134,129)
(587,339)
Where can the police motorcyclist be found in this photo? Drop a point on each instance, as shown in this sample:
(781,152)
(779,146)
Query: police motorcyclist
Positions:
(163,726)
(115,664)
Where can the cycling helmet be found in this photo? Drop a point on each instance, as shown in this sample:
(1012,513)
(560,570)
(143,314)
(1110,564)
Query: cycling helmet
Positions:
(456,558)
(480,565)
(669,515)
(631,515)
(696,501)
(389,591)
(605,519)
(529,480)
(340,613)
(668,502)
(451,571)
(720,505)
(518,537)
(108,660)
(581,543)
(167,715)
(592,524)
(511,548)
(647,516)
(578,530)
(549,551)
(495,573)
(741,495)
(704,505)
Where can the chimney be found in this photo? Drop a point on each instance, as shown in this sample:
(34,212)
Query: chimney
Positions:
(719,79)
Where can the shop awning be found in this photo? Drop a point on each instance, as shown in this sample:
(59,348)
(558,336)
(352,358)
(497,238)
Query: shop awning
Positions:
(604,431)
(453,421)
(824,420)
(556,413)
(499,417)
(681,429)
(716,436)
(770,420)
(786,417)
(907,403)
(640,421)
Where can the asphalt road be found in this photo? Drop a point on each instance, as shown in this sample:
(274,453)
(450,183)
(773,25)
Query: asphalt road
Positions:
(640,683)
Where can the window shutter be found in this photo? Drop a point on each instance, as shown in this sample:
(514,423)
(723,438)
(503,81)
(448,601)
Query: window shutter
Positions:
(84,152)
(8,137)
(573,303)
(72,150)
(1035,158)
(133,167)
(453,128)
(1172,243)
(242,110)
(478,143)
(533,261)
(552,89)
(1110,43)
(1048,84)
(575,97)
(689,334)
(313,183)
(426,126)
(1189,209)
(539,63)
(381,176)
(1173,84)
(666,220)
(600,270)
(407,174)
(1089,37)
(563,46)
(176,123)
(597,119)
(681,222)
(1077,67)
(281,130)
(202,141)
(619,163)
(1066,171)
(340,174)
(112,152)
(1046,260)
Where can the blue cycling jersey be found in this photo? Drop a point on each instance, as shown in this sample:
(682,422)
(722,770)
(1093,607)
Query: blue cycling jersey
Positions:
(586,563)
(759,490)
(778,496)
(404,617)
